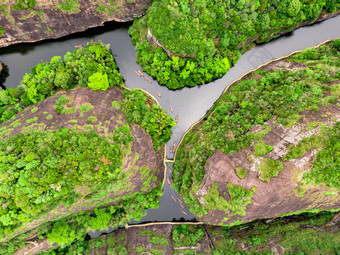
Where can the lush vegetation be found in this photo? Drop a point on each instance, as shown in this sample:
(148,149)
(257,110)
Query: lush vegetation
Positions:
(76,175)
(24,4)
(203,38)
(187,235)
(82,67)
(279,94)
(303,234)
(298,235)
(326,167)
(69,6)
(154,120)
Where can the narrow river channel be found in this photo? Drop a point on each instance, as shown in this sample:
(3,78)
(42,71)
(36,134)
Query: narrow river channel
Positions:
(189,104)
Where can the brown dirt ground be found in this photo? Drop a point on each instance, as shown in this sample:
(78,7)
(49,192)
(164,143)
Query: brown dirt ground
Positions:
(28,26)
(103,110)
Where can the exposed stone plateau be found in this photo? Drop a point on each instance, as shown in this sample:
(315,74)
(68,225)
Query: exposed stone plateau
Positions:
(48,21)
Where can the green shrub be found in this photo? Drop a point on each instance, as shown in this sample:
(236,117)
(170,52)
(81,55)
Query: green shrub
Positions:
(241,173)
(187,235)
(98,81)
(116,105)
(92,119)
(269,168)
(86,107)
(32,120)
(262,149)
(24,4)
(69,6)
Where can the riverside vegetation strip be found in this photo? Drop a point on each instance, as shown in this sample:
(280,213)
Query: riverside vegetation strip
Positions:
(204,38)
(304,234)
(74,159)
(272,112)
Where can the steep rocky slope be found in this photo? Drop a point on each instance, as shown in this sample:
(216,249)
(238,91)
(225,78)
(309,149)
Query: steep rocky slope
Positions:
(269,146)
(56,18)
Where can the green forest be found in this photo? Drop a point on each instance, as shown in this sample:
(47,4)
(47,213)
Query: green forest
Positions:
(48,170)
(204,38)
(279,95)
(304,234)
(91,66)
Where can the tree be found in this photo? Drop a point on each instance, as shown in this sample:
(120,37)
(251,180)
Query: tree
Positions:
(98,81)
(61,233)
(293,8)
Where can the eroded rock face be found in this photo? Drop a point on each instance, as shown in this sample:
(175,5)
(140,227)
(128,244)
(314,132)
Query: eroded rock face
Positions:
(48,20)
(280,195)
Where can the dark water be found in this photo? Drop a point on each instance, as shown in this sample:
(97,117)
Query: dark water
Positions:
(189,104)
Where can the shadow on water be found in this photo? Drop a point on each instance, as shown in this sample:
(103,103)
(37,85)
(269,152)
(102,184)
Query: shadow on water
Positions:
(3,75)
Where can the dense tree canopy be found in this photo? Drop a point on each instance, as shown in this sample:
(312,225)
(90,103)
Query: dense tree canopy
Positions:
(203,38)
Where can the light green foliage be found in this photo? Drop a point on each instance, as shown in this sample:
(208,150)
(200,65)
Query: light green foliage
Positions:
(312,125)
(68,110)
(327,164)
(69,6)
(74,121)
(335,89)
(98,81)
(101,220)
(86,107)
(32,120)
(269,168)
(213,200)
(34,109)
(61,234)
(291,120)
(241,173)
(262,149)
(262,133)
(153,119)
(312,142)
(92,119)
(159,239)
(209,36)
(240,198)
(48,117)
(140,249)
(156,251)
(24,5)
(2,31)
(187,235)
(116,105)
(46,78)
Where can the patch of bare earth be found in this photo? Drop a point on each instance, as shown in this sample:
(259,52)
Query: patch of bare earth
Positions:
(31,26)
(108,119)
(280,195)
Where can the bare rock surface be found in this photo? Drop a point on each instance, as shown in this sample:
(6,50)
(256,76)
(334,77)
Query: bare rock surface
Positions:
(48,20)
(280,195)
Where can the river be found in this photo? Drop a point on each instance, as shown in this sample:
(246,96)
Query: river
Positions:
(189,104)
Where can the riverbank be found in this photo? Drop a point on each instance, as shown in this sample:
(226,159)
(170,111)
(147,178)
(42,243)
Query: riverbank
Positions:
(307,233)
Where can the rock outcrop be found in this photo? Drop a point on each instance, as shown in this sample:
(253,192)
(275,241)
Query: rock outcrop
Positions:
(50,19)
